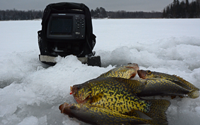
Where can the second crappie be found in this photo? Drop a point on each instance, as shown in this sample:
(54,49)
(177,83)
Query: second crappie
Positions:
(101,116)
(165,87)
(162,81)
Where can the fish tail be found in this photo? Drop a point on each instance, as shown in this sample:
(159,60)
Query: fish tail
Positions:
(157,111)
(194,94)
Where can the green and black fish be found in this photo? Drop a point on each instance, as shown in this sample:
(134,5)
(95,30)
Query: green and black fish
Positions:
(101,116)
(126,71)
(163,81)
(163,87)
(119,95)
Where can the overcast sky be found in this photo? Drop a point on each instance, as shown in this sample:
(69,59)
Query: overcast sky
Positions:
(109,5)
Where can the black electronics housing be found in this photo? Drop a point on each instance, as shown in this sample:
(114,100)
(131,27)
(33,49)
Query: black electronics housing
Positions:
(67,30)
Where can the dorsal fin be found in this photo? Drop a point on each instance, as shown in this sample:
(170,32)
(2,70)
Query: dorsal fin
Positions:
(185,83)
(136,86)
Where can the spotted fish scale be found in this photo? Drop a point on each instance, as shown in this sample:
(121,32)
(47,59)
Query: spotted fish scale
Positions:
(120,95)
(117,98)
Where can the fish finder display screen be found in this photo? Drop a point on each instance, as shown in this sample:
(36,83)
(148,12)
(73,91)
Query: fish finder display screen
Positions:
(66,26)
(61,25)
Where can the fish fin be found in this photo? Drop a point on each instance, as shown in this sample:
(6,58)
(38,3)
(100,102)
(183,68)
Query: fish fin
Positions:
(179,78)
(158,109)
(136,85)
(194,94)
(148,121)
(132,113)
(186,83)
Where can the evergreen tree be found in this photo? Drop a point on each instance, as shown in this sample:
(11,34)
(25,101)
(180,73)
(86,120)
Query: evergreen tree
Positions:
(99,13)
(182,10)
(92,13)
(187,9)
(103,13)
(164,13)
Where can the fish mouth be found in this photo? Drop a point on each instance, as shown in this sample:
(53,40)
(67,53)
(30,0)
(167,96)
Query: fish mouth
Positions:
(64,108)
(74,89)
(141,74)
(135,67)
(71,90)
(80,100)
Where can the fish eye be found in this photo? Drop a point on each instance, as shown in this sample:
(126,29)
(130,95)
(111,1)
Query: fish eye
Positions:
(148,72)
(77,87)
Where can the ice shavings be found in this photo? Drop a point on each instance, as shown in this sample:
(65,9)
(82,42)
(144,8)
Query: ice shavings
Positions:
(30,92)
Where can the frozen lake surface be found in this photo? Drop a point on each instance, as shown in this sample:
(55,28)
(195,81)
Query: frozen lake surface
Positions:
(31,92)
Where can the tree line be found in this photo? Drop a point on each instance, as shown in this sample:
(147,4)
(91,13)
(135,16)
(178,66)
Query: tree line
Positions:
(97,13)
(176,9)
(102,13)
(20,15)
(182,9)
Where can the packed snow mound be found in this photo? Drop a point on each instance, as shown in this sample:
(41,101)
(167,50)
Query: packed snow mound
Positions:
(31,92)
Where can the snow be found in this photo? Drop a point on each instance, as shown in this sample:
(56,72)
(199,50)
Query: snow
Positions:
(31,92)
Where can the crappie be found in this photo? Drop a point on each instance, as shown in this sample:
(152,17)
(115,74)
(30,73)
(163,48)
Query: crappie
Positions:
(126,72)
(164,79)
(82,92)
(100,116)
(120,95)
(162,87)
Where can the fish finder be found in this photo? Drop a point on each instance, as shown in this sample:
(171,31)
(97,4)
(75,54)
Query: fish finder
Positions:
(67,30)
(66,26)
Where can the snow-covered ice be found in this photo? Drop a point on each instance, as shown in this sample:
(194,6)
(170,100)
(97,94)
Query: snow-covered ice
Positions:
(31,92)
